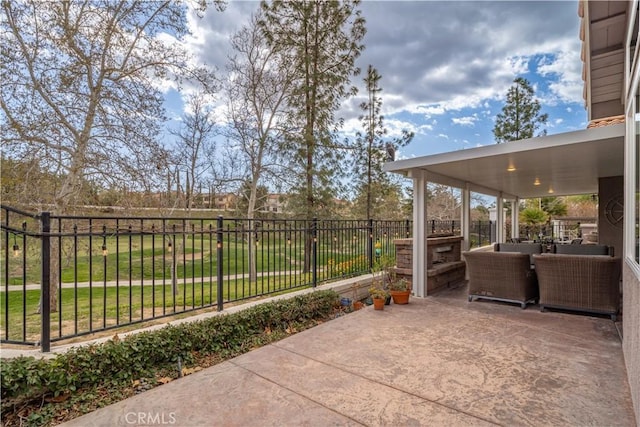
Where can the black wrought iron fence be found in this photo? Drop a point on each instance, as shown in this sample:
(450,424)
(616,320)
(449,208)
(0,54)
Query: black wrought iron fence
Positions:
(67,276)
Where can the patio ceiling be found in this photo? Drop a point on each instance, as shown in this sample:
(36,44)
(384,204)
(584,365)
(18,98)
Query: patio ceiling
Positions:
(566,164)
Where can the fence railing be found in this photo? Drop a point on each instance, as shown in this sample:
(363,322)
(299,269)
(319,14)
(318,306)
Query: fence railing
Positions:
(67,276)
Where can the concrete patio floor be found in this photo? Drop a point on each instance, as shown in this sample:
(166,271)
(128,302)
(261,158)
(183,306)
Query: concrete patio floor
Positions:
(439,361)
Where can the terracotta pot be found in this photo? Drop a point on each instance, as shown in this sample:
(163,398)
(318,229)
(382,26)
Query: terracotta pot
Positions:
(358,305)
(400,297)
(378,303)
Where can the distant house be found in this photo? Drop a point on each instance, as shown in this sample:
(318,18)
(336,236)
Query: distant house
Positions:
(275,203)
(225,201)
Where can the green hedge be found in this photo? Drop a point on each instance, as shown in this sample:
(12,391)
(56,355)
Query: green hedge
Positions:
(145,354)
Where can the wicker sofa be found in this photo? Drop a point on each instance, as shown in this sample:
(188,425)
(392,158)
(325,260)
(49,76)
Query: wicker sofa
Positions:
(589,283)
(501,276)
(523,248)
(583,250)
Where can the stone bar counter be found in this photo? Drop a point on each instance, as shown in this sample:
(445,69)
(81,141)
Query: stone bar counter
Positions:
(444,261)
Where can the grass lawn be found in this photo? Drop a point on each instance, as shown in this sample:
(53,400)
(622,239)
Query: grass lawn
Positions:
(82,259)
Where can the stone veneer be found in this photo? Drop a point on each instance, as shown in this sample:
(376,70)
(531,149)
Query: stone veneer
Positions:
(444,264)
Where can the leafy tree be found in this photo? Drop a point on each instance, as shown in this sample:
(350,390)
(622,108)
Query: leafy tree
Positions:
(322,41)
(533,217)
(387,203)
(79,90)
(371,148)
(520,117)
(554,206)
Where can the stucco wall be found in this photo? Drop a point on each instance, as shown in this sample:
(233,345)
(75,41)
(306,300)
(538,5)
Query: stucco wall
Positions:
(610,191)
(631,332)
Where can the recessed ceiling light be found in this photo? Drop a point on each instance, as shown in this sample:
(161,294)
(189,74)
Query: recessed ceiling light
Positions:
(536,182)
(511,168)
(550,190)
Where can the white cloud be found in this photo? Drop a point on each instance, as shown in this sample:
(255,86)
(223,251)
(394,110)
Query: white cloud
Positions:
(439,60)
(566,70)
(395,127)
(465,121)
(427,110)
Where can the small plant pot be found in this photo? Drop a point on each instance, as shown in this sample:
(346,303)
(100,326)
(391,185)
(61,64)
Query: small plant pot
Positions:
(345,302)
(358,305)
(400,297)
(378,303)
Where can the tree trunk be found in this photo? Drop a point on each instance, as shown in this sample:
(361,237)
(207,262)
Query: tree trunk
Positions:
(252,250)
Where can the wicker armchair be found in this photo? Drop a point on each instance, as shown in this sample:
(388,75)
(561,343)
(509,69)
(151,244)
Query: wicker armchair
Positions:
(589,283)
(501,276)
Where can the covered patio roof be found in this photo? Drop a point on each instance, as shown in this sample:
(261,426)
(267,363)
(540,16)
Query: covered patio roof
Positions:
(563,164)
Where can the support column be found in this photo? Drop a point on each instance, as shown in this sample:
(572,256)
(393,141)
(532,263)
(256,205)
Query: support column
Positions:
(500,219)
(466,217)
(515,217)
(419,234)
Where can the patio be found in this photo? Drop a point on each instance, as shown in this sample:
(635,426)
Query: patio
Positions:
(437,361)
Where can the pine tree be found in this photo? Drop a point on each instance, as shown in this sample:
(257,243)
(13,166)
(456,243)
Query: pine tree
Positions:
(520,117)
(322,39)
(371,148)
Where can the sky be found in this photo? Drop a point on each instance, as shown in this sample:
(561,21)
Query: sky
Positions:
(445,66)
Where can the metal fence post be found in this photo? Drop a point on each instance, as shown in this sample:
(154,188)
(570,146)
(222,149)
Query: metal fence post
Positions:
(407,228)
(314,252)
(45,331)
(219,255)
(370,244)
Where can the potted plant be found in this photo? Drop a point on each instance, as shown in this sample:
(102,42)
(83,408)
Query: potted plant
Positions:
(400,290)
(378,295)
(382,275)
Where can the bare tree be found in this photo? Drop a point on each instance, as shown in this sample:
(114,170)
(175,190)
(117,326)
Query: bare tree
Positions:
(258,89)
(195,146)
(443,202)
(78,89)
(258,92)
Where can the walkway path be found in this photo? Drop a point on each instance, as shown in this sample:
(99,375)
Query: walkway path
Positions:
(158,282)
